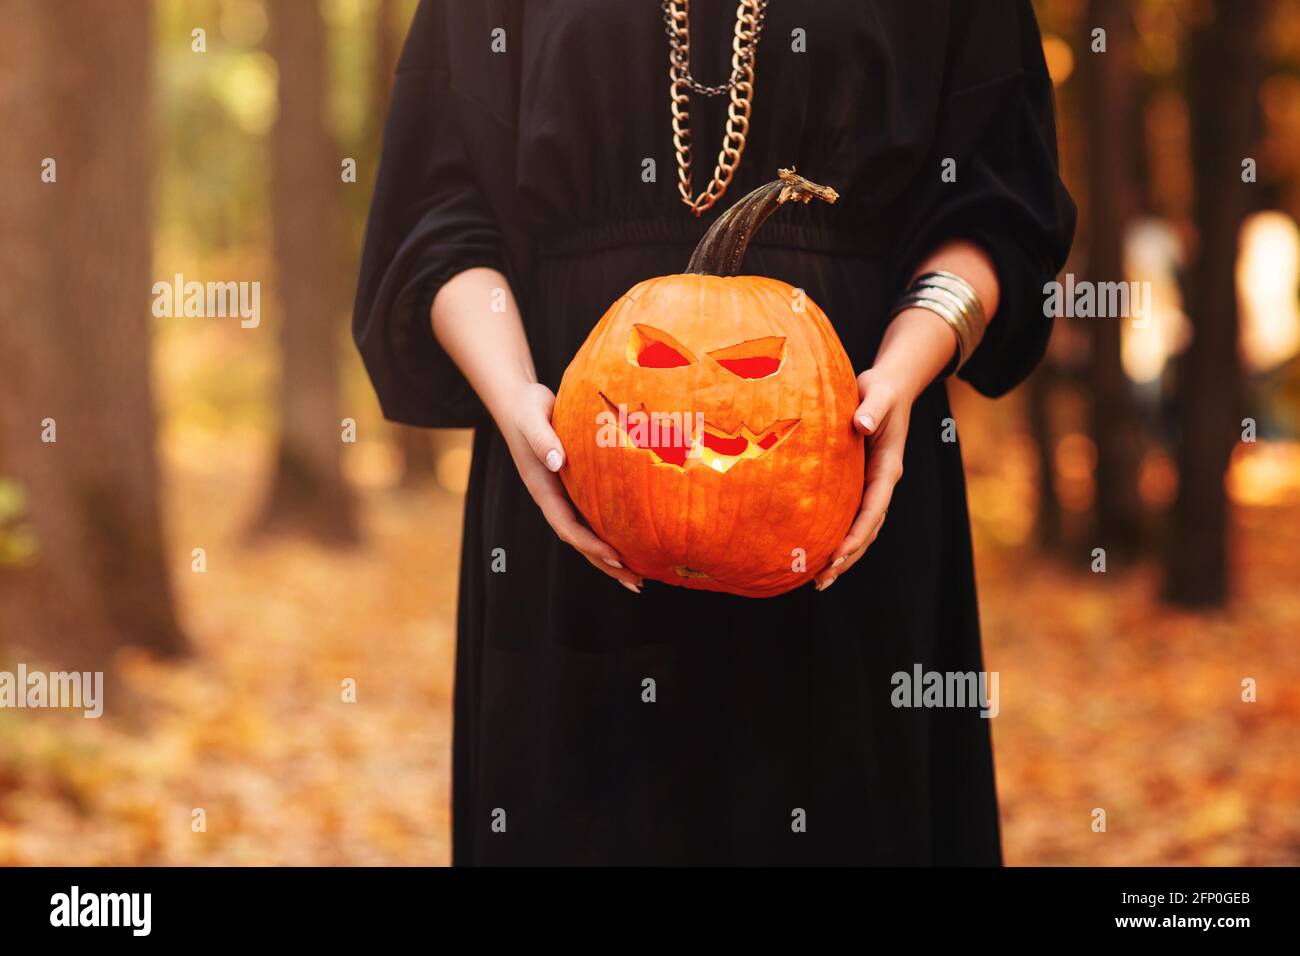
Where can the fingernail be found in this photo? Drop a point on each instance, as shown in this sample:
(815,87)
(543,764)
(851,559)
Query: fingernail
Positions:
(867,422)
(630,586)
(838,561)
(828,584)
(612,563)
(554,459)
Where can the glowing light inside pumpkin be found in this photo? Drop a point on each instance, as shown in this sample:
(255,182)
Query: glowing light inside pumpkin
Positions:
(667,439)
(661,355)
(723,452)
(649,347)
(757,358)
(760,366)
(671,446)
(726,446)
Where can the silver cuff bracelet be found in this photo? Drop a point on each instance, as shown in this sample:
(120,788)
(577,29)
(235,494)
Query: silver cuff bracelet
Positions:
(954,300)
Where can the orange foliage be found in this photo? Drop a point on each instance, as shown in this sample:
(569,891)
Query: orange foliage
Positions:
(1108,700)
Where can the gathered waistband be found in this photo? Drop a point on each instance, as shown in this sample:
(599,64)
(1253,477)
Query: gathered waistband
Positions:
(776,233)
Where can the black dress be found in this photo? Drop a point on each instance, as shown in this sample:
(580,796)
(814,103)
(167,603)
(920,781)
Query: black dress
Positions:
(771,737)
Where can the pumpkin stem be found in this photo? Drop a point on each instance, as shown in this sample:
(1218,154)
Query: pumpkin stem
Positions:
(723,246)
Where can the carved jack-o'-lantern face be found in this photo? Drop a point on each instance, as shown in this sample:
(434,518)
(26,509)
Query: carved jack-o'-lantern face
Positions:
(707,422)
(689,439)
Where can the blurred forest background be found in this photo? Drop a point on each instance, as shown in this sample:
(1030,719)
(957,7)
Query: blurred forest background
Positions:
(1170,443)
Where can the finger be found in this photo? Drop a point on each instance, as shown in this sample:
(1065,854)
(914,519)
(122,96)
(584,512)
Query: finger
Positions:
(829,577)
(634,584)
(887,470)
(534,422)
(880,489)
(559,514)
(849,560)
(877,402)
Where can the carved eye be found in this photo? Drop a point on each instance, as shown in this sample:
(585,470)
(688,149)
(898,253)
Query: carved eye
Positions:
(648,347)
(757,358)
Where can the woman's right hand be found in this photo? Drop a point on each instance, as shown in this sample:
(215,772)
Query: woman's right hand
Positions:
(538,455)
(489,346)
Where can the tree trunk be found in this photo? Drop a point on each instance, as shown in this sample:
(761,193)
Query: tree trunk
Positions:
(1048,525)
(1225,70)
(1110,108)
(385,59)
(308,494)
(74,332)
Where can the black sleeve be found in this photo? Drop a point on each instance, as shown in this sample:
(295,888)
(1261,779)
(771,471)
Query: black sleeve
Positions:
(997,122)
(428,221)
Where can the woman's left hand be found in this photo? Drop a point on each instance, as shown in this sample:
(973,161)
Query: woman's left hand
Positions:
(882,417)
(916,347)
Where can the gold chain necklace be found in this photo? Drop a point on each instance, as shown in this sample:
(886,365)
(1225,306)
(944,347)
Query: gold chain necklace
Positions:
(749,26)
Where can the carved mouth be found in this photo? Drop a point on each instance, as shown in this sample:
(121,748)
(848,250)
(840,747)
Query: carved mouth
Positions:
(671,442)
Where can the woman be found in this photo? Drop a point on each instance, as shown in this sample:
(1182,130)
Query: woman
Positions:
(528,179)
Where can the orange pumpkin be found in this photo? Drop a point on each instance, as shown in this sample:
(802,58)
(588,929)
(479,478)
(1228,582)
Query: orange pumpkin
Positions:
(707,420)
